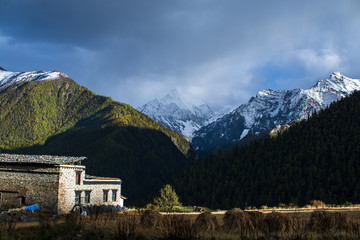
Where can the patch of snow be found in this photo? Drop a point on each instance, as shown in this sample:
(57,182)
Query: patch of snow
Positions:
(8,78)
(188,129)
(244,133)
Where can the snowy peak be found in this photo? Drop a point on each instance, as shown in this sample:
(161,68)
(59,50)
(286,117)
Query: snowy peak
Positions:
(297,102)
(175,97)
(177,113)
(326,91)
(8,79)
(270,108)
(337,83)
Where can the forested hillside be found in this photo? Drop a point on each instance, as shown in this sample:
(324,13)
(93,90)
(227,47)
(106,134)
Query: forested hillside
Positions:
(314,159)
(60,117)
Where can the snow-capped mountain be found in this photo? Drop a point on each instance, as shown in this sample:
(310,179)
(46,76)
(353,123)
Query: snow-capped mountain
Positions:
(176,113)
(8,79)
(270,108)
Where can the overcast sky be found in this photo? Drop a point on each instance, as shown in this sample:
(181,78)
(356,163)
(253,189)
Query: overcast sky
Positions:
(218,51)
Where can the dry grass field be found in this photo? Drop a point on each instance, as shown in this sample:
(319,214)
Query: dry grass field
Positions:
(339,223)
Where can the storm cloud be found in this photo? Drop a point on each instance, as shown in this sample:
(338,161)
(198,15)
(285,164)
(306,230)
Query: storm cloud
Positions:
(220,52)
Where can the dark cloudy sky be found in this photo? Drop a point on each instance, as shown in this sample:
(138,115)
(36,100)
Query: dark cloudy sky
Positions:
(218,51)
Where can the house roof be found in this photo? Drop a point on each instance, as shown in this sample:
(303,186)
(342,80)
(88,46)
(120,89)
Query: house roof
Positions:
(89,177)
(39,159)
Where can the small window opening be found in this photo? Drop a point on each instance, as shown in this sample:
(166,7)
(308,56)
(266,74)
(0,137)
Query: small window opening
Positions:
(78,178)
(77,197)
(22,200)
(105,195)
(114,195)
(87,196)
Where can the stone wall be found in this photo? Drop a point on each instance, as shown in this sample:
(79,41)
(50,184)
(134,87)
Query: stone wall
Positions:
(37,184)
(54,187)
(9,200)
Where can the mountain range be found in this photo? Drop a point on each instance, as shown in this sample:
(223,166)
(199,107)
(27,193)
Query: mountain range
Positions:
(49,113)
(270,108)
(314,159)
(178,114)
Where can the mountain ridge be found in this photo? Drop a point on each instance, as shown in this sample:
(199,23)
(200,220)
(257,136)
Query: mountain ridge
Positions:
(178,114)
(9,79)
(270,108)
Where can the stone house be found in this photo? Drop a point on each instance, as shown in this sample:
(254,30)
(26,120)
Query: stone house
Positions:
(56,183)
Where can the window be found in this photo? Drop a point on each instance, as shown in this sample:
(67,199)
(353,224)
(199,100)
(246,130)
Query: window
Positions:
(87,196)
(77,197)
(114,195)
(105,195)
(78,178)
(22,200)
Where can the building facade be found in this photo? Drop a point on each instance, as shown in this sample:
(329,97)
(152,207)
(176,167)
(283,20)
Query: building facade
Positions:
(56,183)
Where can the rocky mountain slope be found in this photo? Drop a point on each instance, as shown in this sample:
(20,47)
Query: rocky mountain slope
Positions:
(176,113)
(48,113)
(270,108)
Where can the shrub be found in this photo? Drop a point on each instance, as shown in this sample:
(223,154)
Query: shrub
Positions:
(237,221)
(282,205)
(327,223)
(292,205)
(276,223)
(317,203)
(152,206)
(150,218)
(179,227)
(206,222)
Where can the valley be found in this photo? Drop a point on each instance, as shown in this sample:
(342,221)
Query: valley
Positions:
(48,113)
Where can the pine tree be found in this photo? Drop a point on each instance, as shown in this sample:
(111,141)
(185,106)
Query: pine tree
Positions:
(168,198)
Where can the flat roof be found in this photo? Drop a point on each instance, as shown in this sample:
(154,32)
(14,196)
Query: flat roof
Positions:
(39,159)
(89,177)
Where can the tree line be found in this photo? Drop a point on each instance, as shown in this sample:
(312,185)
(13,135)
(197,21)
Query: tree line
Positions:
(316,158)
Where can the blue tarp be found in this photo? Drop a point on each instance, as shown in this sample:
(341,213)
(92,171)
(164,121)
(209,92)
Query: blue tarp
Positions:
(33,207)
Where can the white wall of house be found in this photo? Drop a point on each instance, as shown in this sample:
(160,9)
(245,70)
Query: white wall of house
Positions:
(67,186)
(86,191)
(99,188)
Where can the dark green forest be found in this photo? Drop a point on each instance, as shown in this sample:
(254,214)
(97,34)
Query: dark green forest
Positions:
(63,118)
(318,158)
